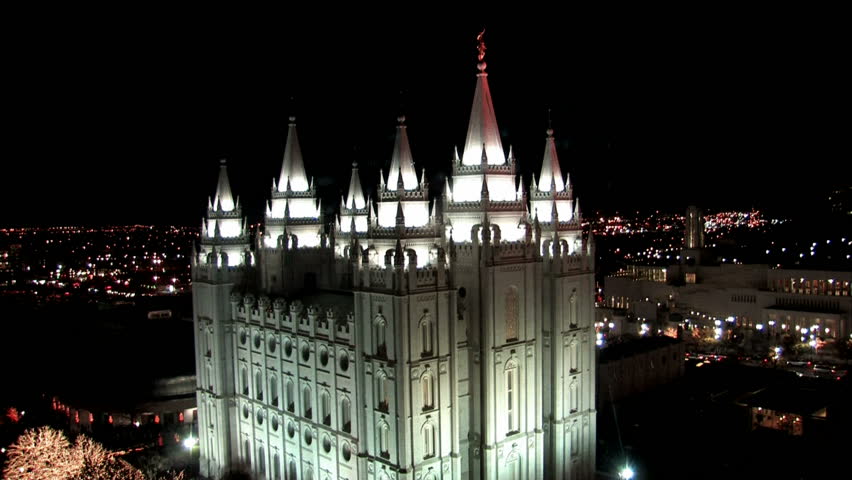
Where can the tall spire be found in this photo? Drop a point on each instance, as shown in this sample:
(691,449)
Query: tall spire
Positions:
(402,164)
(482,128)
(293,167)
(224,200)
(550,171)
(355,197)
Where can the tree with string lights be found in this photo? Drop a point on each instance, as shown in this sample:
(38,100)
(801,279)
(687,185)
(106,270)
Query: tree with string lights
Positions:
(46,453)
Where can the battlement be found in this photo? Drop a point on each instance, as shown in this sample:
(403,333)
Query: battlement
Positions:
(491,205)
(408,232)
(394,194)
(207,272)
(506,168)
(295,316)
(309,193)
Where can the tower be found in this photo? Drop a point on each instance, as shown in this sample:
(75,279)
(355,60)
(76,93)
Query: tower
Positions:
(407,339)
(218,267)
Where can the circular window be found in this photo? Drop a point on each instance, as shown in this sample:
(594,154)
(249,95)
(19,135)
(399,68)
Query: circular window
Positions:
(346,451)
(306,352)
(326,443)
(323,356)
(308,436)
(245,411)
(243,337)
(260,417)
(344,361)
(274,423)
(288,347)
(257,340)
(291,429)
(271,344)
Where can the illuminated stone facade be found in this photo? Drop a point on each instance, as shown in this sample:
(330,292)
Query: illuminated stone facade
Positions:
(410,339)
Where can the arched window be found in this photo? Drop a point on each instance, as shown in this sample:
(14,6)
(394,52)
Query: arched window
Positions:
(209,342)
(306,402)
(382,394)
(291,470)
(244,378)
(426,387)
(276,467)
(384,440)
(573,396)
(513,466)
(346,415)
(273,389)
(428,440)
(512,410)
(261,461)
(511,313)
(258,385)
(575,440)
(426,335)
(574,356)
(210,377)
(325,408)
(247,452)
(381,326)
(290,396)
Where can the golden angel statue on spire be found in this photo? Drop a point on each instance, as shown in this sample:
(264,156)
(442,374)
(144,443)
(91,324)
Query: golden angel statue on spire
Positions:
(481,46)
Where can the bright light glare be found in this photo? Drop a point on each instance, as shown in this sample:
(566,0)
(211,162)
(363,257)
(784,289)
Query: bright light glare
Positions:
(190,442)
(626,473)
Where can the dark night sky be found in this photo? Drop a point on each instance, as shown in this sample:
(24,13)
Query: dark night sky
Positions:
(124,121)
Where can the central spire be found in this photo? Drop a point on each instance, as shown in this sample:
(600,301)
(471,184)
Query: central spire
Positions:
(482,128)
(293,167)
(402,164)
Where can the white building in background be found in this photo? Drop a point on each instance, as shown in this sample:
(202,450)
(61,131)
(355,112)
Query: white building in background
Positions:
(774,301)
(404,339)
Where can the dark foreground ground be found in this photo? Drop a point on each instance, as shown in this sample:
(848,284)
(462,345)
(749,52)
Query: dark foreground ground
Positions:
(697,428)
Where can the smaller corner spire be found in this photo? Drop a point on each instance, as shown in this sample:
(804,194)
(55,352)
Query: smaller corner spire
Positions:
(224,199)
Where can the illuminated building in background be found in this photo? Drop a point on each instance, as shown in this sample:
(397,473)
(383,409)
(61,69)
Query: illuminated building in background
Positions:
(407,338)
(770,302)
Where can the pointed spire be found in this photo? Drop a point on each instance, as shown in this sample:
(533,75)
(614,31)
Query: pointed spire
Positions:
(482,128)
(456,158)
(520,193)
(402,164)
(511,157)
(577,216)
(400,215)
(551,174)
(381,180)
(223,200)
(423,177)
(448,192)
(293,167)
(484,192)
(355,197)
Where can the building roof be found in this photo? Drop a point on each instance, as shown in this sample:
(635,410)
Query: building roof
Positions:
(402,163)
(482,130)
(550,171)
(224,198)
(355,196)
(293,166)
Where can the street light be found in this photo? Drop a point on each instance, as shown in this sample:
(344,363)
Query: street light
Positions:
(626,473)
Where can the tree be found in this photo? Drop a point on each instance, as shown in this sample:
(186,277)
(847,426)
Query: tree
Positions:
(45,453)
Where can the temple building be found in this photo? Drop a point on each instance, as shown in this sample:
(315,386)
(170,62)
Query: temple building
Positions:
(408,337)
